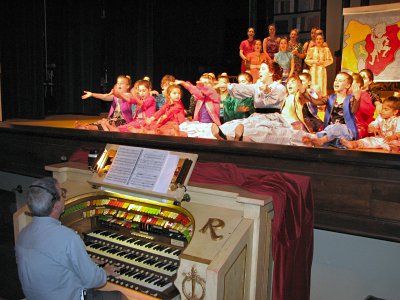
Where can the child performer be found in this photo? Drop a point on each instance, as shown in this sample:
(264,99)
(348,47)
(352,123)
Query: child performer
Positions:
(287,128)
(339,121)
(165,121)
(255,59)
(207,99)
(166,81)
(268,93)
(145,103)
(120,111)
(310,110)
(365,114)
(386,127)
(318,58)
(235,108)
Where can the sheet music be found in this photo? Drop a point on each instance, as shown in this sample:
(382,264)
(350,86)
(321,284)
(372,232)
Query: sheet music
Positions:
(164,180)
(123,165)
(147,169)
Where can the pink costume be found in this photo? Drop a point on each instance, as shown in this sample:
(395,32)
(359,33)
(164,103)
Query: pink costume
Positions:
(174,113)
(364,115)
(145,111)
(125,107)
(256,59)
(387,127)
(247,47)
(206,96)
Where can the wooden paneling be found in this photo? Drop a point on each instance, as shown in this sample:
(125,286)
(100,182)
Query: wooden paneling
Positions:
(355,192)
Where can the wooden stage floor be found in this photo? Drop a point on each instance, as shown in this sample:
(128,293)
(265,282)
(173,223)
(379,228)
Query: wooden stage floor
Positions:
(68,121)
(60,121)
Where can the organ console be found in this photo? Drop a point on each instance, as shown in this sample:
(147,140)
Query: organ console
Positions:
(216,246)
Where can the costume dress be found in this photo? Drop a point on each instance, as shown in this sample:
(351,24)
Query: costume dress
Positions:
(166,121)
(298,62)
(160,100)
(247,47)
(256,59)
(272,100)
(207,105)
(318,72)
(284,59)
(272,46)
(120,109)
(387,127)
(231,105)
(271,128)
(339,121)
(365,114)
(174,115)
(147,110)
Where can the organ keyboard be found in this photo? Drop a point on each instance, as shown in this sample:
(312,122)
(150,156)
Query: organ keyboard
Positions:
(144,238)
(217,246)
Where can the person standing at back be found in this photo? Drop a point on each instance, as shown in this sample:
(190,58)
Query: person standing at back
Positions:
(246,47)
(319,58)
(271,42)
(51,258)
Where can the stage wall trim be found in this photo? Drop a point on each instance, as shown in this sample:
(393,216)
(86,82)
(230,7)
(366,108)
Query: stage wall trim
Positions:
(371,39)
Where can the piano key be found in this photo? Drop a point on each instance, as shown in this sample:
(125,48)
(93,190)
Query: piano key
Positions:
(138,261)
(139,244)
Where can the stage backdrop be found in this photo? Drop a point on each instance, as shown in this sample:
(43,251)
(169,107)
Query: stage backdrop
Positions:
(372,40)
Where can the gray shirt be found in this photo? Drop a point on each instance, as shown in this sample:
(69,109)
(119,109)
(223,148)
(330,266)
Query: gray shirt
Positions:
(273,99)
(53,263)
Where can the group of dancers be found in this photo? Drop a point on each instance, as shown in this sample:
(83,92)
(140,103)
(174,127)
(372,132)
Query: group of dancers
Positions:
(282,114)
(292,55)
(275,99)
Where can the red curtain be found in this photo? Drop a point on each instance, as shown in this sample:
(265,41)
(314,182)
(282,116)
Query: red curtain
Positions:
(292,226)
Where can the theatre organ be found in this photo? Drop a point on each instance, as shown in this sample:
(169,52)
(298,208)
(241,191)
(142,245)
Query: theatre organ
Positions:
(215,246)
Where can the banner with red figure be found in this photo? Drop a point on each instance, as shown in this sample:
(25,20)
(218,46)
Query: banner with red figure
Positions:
(371,39)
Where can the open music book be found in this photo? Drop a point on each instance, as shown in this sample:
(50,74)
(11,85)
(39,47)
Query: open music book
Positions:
(139,168)
(147,169)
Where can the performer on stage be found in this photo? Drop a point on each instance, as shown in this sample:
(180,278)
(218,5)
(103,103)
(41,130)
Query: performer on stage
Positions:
(318,58)
(120,110)
(164,122)
(246,47)
(386,128)
(287,128)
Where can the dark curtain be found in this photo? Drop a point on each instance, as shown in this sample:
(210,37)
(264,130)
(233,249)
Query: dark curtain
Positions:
(75,37)
(91,42)
(99,41)
(22,59)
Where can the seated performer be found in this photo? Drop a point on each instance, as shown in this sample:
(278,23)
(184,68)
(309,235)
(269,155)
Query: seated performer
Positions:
(120,111)
(51,258)
(255,59)
(207,99)
(310,110)
(287,128)
(365,113)
(164,122)
(386,128)
(145,103)
(268,93)
(339,121)
(234,108)
(165,83)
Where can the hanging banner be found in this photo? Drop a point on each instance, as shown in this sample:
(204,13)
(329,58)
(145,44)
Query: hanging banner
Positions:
(371,39)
